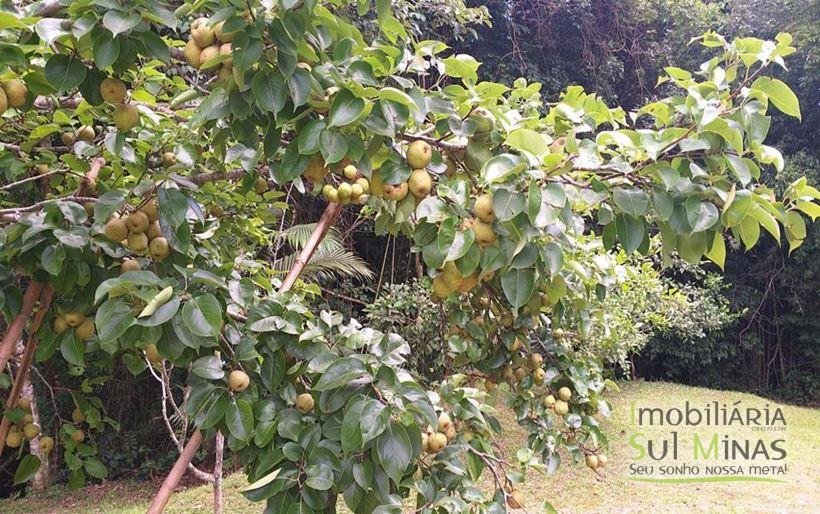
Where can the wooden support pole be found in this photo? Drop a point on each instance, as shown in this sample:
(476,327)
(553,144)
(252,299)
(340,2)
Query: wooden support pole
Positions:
(332,212)
(16,327)
(25,362)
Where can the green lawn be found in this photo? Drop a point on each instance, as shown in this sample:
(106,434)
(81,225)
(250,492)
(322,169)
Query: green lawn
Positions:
(574,489)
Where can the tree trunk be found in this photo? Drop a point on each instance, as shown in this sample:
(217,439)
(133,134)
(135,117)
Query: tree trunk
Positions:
(218,456)
(42,479)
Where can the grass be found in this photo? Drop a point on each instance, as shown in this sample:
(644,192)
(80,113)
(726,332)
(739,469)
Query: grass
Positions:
(574,489)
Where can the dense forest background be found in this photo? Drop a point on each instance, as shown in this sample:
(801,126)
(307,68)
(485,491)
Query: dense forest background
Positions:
(754,328)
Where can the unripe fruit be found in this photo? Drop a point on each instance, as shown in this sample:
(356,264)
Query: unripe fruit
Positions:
(209,53)
(78,436)
(152,353)
(154,231)
(46,444)
(350,172)
(85,330)
(4,103)
(158,248)
(484,208)
(67,138)
(364,183)
(376,184)
(305,403)
(558,333)
(436,442)
(395,192)
(137,242)
(444,422)
(116,230)
(60,325)
(129,265)
(316,169)
(89,208)
(126,117)
(31,431)
(485,122)
(74,319)
(420,183)
(14,439)
(538,376)
(425,442)
(137,222)
(561,407)
(27,418)
(86,133)
(220,34)
(549,401)
(238,380)
(113,90)
(451,433)
(169,159)
(591,461)
(520,373)
(201,33)
(356,192)
(261,185)
(565,393)
(24,403)
(484,233)
(345,192)
(77,415)
(535,361)
(193,54)
(41,169)
(15,91)
(226,51)
(330,193)
(151,210)
(602,460)
(419,154)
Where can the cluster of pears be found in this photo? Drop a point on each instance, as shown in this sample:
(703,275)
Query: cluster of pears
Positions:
(420,182)
(524,366)
(208,42)
(139,231)
(449,280)
(354,187)
(433,441)
(125,115)
(83,327)
(595,460)
(482,223)
(559,406)
(25,429)
(78,417)
(13,93)
(84,133)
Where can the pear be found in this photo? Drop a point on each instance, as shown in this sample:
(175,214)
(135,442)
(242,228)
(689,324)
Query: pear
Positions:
(60,325)
(126,117)
(350,171)
(137,222)
(14,439)
(305,403)
(113,90)
(330,193)
(484,233)
(77,416)
(591,461)
(169,159)
(30,431)
(158,248)
(219,32)
(561,407)
(86,133)
(420,183)
(85,330)
(116,230)
(153,231)
(201,33)
(193,54)
(238,380)
(316,169)
(209,53)
(15,91)
(129,265)
(484,208)
(395,192)
(74,319)
(436,442)
(137,241)
(4,102)
(419,154)
(565,393)
(151,210)
(46,444)
(78,436)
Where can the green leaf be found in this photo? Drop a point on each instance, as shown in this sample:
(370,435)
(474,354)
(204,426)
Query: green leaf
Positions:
(749,231)
(631,231)
(112,320)
(351,430)
(319,477)
(269,91)
(262,482)
(701,215)
(717,253)
(72,350)
(26,469)
(518,285)
(394,451)
(63,72)
(500,167)
(766,220)
(95,468)
(345,109)
(118,22)
(461,66)
(632,201)
(339,373)
(163,313)
(529,141)
(779,94)
(209,367)
(203,315)
(333,145)
(507,204)
(239,419)
(106,49)
(309,135)
(299,86)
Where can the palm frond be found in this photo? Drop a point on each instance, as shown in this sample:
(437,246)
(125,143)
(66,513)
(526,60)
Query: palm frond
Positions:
(298,235)
(328,263)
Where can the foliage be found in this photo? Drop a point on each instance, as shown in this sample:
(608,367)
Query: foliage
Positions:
(502,198)
(407,309)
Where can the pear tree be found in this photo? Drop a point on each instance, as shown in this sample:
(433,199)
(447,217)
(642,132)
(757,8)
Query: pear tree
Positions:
(147,155)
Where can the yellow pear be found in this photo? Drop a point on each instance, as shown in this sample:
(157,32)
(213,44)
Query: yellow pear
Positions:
(86,133)
(565,393)
(129,265)
(419,154)
(126,117)
(153,231)
(484,233)
(193,54)
(158,248)
(305,403)
(137,222)
(238,380)
(113,90)
(15,91)
(201,33)
(151,210)
(561,407)
(420,183)
(74,319)
(85,330)
(46,444)
(137,241)
(60,325)
(77,416)
(436,442)
(484,208)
